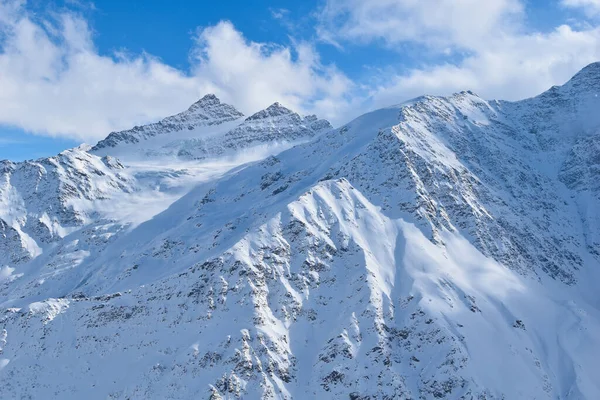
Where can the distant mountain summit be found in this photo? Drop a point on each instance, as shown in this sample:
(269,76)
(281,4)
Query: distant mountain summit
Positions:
(275,123)
(206,112)
(274,110)
(282,116)
(590,75)
(211,129)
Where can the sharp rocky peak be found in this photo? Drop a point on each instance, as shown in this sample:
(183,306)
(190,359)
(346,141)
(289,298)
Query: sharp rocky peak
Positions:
(274,110)
(586,80)
(210,97)
(207,111)
(591,70)
(211,106)
(209,100)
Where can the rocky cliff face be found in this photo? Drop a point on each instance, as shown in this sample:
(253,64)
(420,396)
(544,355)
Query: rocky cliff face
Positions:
(441,248)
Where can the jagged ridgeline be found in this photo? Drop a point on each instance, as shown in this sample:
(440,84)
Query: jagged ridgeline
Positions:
(442,248)
(210,129)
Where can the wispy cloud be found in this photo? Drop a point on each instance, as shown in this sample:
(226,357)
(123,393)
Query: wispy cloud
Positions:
(591,7)
(10,141)
(441,23)
(279,13)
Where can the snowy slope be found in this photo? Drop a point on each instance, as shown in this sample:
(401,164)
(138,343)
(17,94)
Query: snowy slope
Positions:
(441,248)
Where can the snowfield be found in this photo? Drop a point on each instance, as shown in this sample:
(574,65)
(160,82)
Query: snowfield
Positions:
(443,248)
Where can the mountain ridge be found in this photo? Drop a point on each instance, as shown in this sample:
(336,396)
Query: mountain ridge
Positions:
(207,111)
(190,138)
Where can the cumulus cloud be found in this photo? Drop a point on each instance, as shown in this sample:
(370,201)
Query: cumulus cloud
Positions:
(493,52)
(513,68)
(252,75)
(55,82)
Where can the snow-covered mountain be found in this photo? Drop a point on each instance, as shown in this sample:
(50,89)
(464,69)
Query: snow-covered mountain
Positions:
(275,127)
(447,247)
(44,200)
(206,112)
(210,129)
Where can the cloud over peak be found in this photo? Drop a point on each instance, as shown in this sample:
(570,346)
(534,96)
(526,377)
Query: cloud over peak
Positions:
(56,82)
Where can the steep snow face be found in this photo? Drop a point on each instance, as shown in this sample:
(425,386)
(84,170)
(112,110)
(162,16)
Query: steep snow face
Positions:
(442,248)
(206,112)
(580,172)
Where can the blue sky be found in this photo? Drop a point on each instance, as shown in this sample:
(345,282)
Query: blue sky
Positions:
(72,71)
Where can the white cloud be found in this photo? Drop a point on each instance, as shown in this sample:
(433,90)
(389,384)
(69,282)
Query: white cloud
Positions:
(513,68)
(253,75)
(55,82)
(591,7)
(279,13)
(498,55)
(439,23)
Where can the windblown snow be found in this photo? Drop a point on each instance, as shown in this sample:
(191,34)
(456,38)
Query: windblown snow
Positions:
(443,248)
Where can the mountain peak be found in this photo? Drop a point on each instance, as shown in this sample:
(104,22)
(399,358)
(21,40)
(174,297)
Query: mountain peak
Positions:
(209,107)
(589,76)
(274,110)
(277,107)
(208,99)
(209,96)
(593,68)
(207,111)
